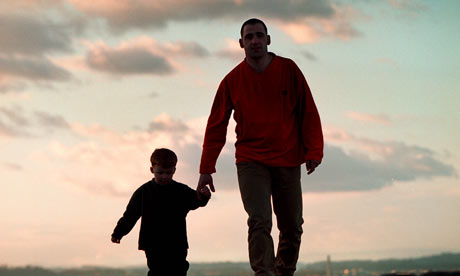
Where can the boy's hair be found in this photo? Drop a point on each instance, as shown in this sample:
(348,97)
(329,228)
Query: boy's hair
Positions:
(253,21)
(165,158)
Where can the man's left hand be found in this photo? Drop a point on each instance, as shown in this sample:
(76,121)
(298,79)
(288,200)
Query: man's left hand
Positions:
(311,165)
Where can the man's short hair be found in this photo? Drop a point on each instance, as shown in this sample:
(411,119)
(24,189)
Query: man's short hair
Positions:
(253,21)
(165,158)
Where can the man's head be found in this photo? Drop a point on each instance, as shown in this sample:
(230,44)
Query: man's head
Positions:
(163,165)
(254,38)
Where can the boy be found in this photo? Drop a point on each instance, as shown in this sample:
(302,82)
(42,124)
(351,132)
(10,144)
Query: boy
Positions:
(163,205)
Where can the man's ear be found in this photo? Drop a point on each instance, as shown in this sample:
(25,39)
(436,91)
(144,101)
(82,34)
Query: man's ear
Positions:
(151,169)
(241,43)
(268,40)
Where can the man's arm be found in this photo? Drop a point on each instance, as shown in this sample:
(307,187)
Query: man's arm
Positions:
(311,130)
(215,135)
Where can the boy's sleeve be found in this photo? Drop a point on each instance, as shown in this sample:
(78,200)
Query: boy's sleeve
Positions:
(194,202)
(130,216)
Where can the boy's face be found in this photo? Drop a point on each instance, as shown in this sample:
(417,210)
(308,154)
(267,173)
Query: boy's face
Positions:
(163,175)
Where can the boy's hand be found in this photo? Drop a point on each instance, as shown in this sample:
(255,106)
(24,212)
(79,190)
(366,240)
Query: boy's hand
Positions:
(115,240)
(203,193)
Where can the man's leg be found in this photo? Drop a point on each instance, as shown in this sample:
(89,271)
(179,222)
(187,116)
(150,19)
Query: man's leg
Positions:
(287,204)
(255,188)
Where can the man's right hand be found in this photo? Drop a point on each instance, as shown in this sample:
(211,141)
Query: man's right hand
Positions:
(205,180)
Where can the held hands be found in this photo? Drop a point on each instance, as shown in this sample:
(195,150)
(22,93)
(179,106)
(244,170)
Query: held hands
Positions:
(203,193)
(202,190)
(311,165)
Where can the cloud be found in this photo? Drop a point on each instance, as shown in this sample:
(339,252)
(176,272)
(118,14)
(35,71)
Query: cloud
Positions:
(89,163)
(14,116)
(355,171)
(128,61)
(407,5)
(187,49)
(305,21)
(309,55)
(369,118)
(7,131)
(27,4)
(51,121)
(14,122)
(232,50)
(141,56)
(164,122)
(11,166)
(36,69)
(313,29)
(27,34)
(8,84)
(124,15)
(388,61)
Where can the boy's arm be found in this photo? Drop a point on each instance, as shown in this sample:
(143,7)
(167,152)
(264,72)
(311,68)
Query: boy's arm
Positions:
(129,218)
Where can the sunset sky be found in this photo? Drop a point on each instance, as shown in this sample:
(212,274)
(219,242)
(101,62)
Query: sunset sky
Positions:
(89,89)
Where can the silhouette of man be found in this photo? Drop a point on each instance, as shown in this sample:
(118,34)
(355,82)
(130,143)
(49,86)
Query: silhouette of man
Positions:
(278,128)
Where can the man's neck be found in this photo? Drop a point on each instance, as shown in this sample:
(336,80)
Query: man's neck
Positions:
(261,63)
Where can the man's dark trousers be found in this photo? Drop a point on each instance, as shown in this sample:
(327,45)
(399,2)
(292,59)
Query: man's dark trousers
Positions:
(260,184)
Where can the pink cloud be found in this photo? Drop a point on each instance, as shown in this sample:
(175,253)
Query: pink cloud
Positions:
(315,28)
(10,84)
(369,118)
(389,61)
(232,50)
(108,163)
(301,32)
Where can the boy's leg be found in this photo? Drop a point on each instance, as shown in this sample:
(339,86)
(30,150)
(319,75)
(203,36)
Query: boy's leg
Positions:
(152,262)
(167,262)
(255,188)
(287,204)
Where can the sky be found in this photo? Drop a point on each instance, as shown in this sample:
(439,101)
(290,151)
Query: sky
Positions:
(89,89)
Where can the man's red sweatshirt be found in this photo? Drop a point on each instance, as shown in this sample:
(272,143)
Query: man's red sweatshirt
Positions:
(277,123)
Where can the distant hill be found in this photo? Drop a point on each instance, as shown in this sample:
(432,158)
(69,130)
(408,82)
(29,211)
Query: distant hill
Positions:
(442,262)
(445,261)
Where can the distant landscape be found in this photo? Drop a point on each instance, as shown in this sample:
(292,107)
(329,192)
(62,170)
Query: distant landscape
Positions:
(446,262)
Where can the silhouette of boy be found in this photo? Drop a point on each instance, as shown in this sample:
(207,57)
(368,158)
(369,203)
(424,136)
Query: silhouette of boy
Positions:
(162,204)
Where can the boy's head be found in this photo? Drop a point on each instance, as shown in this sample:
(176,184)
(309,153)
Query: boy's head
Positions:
(163,165)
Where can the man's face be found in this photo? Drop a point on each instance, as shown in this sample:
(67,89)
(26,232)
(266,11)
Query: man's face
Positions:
(254,41)
(163,175)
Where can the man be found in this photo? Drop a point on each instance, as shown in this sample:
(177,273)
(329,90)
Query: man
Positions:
(278,129)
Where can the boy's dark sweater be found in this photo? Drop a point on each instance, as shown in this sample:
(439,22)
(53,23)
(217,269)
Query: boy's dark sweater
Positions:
(162,209)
